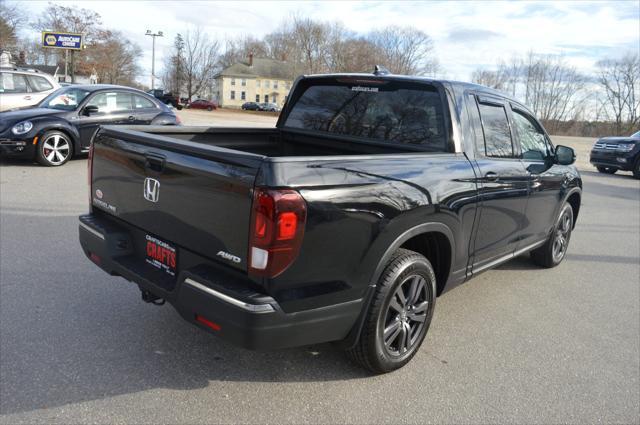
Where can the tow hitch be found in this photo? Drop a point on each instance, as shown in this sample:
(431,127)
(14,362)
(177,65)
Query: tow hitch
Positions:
(148,297)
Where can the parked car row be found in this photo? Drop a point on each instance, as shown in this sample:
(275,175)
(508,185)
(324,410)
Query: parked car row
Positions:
(63,123)
(264,106)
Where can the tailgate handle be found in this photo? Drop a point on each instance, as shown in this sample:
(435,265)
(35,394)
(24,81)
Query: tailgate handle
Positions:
(154,162)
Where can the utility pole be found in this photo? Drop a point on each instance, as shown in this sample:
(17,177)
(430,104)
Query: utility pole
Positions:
(153,56)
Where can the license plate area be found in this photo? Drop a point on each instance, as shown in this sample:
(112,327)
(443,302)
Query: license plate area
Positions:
(161,255)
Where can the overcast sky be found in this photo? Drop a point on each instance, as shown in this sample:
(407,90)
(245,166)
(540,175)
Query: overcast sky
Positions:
(466,34)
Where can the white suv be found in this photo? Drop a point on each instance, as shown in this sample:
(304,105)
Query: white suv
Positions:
(20,87)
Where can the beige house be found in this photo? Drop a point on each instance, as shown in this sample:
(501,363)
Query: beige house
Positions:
(257,80)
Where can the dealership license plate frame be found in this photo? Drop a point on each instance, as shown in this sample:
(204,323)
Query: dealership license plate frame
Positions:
(161,255)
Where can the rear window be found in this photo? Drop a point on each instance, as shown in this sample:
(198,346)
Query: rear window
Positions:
(394,113)
(12,83)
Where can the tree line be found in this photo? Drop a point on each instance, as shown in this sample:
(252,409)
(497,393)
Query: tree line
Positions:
(108,54)
(567,101)
(307,45)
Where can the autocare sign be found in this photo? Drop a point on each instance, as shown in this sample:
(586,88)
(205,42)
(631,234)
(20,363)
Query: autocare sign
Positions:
(62,40)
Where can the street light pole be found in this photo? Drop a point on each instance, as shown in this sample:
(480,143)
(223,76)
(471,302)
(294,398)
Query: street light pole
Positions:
(153,56)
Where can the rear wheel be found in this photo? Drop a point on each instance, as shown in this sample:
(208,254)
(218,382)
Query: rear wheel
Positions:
(607,170)
(55,149)
(209,108)
(399,315)
(553,251)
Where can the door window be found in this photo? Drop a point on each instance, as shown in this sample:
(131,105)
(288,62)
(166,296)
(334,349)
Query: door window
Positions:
(111,102)
(532,139)
(140,102)
(497,134)
(12,83)
(39,84)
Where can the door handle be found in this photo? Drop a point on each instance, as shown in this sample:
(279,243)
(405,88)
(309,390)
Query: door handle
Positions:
(27,98)
(491,176)
(131,118)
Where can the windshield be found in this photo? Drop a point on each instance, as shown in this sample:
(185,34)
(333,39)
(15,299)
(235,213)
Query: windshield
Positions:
(65,99)
(396,113)
(636,135)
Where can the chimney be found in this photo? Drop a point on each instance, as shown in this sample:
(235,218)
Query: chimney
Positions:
(250,59)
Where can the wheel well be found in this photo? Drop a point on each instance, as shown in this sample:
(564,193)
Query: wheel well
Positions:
(574,201)
(436,248)
(74,142)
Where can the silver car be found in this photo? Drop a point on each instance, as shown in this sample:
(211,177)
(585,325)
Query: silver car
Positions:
(21,87)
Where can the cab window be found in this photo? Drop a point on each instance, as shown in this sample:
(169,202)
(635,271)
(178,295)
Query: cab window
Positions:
(497,133)
(531,137)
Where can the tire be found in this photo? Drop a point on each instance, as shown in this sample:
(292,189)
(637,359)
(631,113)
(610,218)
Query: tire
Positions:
(55,149)
(209,108)
(555,248)
(393,331)
(607,170)
(636,169)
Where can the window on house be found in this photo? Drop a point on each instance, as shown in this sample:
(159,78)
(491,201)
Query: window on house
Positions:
(266,83)
(243,82)
(233,81)
(275,98)
(243,96)
(257,83)
(266,98)
(275,84)
(257,98)
(233,95)
(287,85)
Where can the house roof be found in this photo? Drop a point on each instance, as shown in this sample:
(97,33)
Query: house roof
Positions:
(268,68)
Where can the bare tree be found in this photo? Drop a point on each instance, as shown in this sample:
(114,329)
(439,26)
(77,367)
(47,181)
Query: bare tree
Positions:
(238,49)
(12,18)
(201,55)
(70,19)
(553,89)
(620,81)
(113,58)
(404,50)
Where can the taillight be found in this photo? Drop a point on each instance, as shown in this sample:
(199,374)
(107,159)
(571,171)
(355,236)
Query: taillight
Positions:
(90,174)
(277,228)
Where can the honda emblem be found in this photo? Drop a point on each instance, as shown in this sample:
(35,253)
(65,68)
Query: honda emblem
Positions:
(151,189)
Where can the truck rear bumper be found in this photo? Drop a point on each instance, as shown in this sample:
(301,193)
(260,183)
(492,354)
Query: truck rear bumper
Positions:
(214,299)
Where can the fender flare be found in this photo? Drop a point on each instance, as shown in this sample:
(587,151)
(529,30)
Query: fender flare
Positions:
(437,227)
(566,197)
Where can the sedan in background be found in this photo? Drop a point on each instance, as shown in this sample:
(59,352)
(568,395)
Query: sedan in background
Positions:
(251,106)
(63,124)
(611,154)
(269,107)
(202,104)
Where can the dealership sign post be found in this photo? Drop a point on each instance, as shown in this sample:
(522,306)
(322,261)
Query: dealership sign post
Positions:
(63,40)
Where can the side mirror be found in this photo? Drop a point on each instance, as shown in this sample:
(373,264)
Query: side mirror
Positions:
(90,109)
(565,155)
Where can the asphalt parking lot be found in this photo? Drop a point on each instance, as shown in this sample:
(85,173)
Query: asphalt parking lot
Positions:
(517,344)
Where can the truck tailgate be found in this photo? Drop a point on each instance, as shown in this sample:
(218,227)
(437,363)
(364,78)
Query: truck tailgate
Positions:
(179,192)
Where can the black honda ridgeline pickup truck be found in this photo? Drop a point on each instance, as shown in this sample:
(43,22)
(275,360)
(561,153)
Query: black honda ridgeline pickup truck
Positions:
(374,194)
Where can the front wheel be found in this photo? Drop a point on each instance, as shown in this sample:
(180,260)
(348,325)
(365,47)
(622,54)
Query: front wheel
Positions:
(55,149)
(607,170)
(636,169)
(209,108)
(555,248)
(399,315)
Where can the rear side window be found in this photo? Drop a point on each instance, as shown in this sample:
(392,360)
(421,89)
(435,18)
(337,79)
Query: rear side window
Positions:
(39,84)
(391,113)
(140,102)
(12,83)
(497,134)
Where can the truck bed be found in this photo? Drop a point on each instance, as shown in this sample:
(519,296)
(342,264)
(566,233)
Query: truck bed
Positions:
(274,142)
